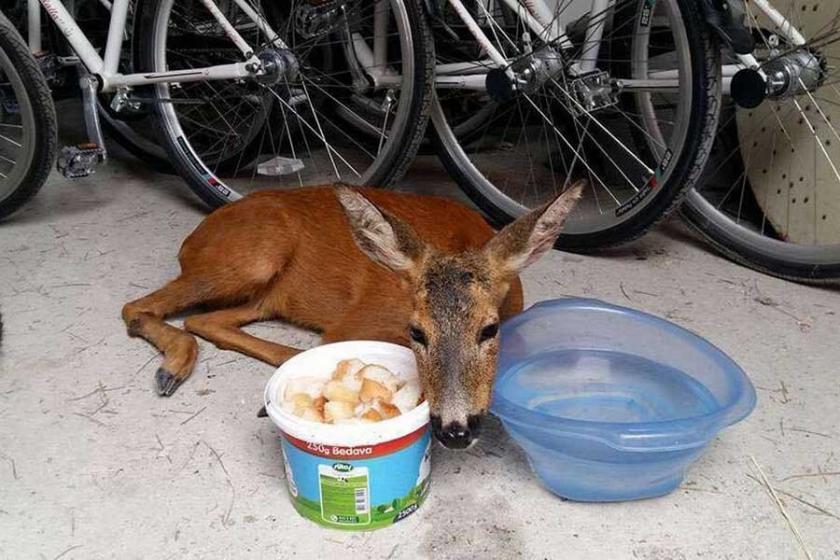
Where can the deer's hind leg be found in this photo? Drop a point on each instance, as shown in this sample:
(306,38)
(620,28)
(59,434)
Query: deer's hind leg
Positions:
(145,318)
(223,328)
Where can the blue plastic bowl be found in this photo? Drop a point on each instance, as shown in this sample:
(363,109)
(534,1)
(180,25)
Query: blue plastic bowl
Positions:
(609,403)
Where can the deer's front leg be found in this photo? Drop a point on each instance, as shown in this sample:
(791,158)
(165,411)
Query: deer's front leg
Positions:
(223,328)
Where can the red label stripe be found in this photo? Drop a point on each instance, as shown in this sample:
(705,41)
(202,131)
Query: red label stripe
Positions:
(359,452)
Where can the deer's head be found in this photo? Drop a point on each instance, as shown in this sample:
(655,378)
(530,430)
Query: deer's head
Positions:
(454,327)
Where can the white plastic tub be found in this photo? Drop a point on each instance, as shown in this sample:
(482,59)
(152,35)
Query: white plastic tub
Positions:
(352,476)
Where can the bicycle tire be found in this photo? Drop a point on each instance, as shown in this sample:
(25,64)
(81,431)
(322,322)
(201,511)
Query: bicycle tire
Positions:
(705,65)
(36,100)
(731,242)
(401,147)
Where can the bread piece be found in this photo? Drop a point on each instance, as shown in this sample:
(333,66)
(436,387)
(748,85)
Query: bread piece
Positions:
(309,413)
(372,390)
(336,391)
(295,402)
(371,414)
(408,397)
(347,372)
(382,376)
(301,399)
(312,386)
(347,368)
(386,410)
(318,404)
(337,410)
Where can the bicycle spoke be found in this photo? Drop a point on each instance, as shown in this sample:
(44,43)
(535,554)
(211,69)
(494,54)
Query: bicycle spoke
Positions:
(620,144)
(10,141)
(565,141)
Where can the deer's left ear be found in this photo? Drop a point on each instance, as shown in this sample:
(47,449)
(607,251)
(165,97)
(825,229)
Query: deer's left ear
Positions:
(522,242)
(384,238)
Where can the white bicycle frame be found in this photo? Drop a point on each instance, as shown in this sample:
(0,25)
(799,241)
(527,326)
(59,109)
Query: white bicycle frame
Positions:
(541,19)
(548,25)
(107,67)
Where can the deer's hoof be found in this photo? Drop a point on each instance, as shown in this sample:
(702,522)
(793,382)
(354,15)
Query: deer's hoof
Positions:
(166,383)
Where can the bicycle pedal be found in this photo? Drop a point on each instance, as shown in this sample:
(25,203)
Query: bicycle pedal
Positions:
(79,161)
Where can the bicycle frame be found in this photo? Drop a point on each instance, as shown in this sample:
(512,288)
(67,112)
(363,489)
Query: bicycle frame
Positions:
(549,27)
(107,67)
(540,18)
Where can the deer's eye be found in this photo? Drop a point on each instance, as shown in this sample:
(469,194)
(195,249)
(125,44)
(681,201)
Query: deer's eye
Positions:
(417,335)
(488,332)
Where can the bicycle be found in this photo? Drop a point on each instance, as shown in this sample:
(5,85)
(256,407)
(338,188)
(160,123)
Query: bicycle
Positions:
(770,199)
(244,95)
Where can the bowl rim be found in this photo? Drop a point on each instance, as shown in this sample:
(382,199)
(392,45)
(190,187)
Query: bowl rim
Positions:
(659,435)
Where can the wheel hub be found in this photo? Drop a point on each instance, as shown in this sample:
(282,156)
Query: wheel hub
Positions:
(279,65)
(794,74)
(530,73)
(788,75)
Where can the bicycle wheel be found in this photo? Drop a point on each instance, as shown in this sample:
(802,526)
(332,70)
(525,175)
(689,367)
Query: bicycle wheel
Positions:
(28,130)
(772,197)
(288,125)
(633,111)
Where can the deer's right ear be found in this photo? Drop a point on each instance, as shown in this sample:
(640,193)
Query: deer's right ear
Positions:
(385,239)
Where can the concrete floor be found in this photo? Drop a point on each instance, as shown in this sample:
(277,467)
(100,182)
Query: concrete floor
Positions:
(94,465)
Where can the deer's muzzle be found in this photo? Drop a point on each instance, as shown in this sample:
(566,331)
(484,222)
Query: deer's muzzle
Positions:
(455,435)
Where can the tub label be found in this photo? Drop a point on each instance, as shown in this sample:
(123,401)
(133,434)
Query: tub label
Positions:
(345,494)
(360,452)
(358,490)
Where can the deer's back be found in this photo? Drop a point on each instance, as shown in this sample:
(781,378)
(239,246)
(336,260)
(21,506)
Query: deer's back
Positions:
(294,248)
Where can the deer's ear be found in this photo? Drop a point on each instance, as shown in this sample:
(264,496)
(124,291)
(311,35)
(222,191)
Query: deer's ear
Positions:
(524,241)
(385,239)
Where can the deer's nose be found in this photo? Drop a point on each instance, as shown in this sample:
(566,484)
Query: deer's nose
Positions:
(456,435)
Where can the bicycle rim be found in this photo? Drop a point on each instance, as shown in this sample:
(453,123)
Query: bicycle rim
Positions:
(533,147)
(291,130)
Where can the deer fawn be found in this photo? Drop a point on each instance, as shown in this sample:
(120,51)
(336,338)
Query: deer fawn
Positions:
(419,271)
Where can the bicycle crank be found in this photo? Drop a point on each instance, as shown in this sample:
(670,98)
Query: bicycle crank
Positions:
(79,161)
